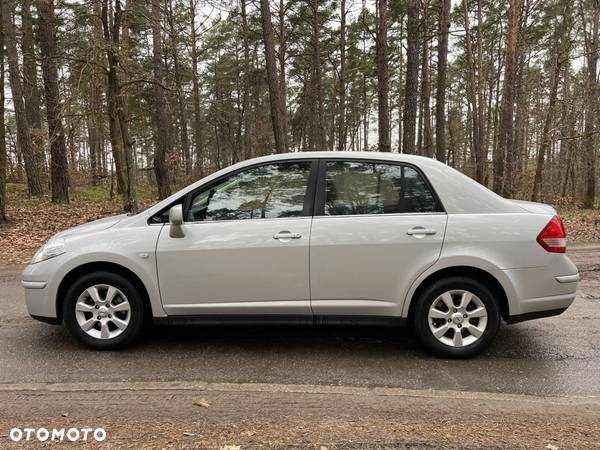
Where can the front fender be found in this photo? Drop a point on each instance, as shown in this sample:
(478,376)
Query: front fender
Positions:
(133,248)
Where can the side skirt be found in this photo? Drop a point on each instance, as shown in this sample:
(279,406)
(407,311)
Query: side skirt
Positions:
(282,320)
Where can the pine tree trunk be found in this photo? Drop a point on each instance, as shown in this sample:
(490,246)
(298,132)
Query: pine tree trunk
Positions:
(318,120)
(440,97)
(342,126)
(198,138)
(96,120)
(112,87)
(162,125)
(515,159)
(505,148)
(282,77)
(269,43)
(123,108)
(412,78)
(383,81)
(59,170)
(248,151)
(568,129)
(31,91)
(546,133)
(32,169)
(562,54)
(183,131)
(515,165)
(117,112)
(426,147)
(591,36)
(3,157)
(473,99)
(481,81)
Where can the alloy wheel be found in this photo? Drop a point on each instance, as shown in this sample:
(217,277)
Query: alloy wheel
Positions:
(103,311)
(457,318)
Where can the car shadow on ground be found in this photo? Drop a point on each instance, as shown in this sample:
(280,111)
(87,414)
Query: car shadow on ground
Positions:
(246,343)
(370,340)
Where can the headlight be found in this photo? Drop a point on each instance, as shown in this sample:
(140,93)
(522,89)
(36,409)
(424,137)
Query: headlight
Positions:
(50,249)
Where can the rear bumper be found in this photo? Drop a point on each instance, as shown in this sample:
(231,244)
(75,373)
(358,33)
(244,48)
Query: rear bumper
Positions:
(539,291)
(541,305)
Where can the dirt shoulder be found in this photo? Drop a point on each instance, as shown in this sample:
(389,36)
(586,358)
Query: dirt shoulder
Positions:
(163,415)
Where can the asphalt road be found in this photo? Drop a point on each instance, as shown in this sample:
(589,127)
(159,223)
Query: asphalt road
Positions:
(557,356)
(538,386)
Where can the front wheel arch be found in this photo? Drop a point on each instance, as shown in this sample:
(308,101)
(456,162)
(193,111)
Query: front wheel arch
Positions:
(101,266)
(462,271)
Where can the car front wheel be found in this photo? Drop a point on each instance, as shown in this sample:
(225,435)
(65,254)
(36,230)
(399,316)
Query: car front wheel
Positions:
(456,317)
(104,310)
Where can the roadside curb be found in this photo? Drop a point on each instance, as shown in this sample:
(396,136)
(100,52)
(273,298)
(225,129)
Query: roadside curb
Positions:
(291,389)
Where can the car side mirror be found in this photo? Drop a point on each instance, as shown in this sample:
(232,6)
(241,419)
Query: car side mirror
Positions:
(176,220)
(176,215)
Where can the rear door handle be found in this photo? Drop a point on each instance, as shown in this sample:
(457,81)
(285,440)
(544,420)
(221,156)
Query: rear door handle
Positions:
(420,232)
(286,236)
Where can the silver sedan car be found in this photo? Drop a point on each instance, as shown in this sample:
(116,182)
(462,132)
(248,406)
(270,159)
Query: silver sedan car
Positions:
(312,238)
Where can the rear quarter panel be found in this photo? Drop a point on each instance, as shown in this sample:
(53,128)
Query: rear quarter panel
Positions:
(503,241)
(505,246)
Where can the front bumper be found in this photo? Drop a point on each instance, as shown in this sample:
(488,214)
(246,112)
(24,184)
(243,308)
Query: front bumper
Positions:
(40,282)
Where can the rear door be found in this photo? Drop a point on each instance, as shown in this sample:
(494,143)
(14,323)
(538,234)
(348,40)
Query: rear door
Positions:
(377,226)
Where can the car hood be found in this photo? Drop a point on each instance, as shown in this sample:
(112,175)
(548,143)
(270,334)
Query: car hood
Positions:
(90,227)
(534,207)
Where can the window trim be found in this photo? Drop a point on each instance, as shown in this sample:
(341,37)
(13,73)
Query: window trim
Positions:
(319,209)
(179,201)
(307,208)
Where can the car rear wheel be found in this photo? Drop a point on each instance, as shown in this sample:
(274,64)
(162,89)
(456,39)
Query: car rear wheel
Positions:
(456,317)
(104,310)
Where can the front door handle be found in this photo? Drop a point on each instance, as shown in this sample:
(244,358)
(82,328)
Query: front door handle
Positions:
(286,236)
(419,232)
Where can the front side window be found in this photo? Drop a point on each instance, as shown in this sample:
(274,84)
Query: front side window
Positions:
(264,192)
(375,188)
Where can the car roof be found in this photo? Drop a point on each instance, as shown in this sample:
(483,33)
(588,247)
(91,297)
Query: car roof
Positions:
(384,156)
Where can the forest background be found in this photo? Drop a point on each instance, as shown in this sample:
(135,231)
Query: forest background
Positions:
(109,105)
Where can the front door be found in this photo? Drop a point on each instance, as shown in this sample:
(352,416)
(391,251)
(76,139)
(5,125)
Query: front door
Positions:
(379,226)
(244,246)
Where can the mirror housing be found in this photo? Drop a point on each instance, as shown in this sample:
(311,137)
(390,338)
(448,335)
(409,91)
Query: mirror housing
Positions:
(176,215)
(176,220)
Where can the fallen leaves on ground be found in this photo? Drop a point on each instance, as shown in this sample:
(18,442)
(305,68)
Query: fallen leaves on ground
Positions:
(583,225)
(202,403)
(32,221)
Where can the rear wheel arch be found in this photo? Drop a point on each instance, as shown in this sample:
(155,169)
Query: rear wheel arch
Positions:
(100,266)
(474,273)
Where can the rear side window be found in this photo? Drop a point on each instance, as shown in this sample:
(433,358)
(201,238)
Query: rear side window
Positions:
(375,188)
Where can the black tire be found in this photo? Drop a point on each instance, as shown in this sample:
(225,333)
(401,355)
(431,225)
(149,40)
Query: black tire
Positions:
(129,290)
(431,293)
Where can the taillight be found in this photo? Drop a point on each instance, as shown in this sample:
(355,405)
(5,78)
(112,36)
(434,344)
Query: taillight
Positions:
(553,236)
